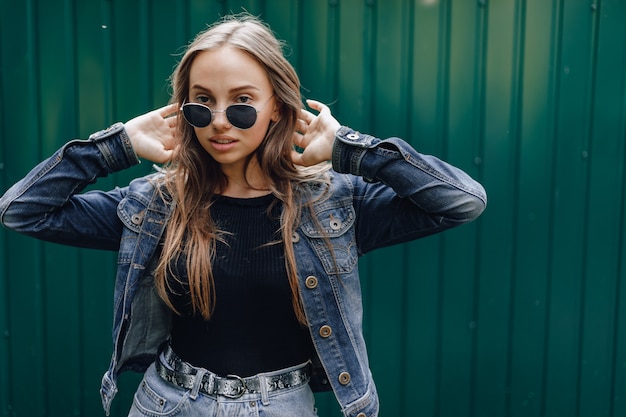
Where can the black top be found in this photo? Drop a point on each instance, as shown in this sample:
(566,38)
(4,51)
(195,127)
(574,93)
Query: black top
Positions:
(253,328)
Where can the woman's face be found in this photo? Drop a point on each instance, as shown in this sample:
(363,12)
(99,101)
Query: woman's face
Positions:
(220,78)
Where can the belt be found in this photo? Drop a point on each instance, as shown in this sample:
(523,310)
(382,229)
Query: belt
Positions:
(232,386)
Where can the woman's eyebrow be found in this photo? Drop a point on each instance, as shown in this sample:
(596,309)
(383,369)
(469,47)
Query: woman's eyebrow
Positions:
(199,87)
(232,90)
(244,87)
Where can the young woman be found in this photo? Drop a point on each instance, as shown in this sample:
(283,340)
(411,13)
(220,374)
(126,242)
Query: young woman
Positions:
(237,289)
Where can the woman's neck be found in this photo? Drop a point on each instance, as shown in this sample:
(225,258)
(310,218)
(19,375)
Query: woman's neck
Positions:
(243,191)
(252,183)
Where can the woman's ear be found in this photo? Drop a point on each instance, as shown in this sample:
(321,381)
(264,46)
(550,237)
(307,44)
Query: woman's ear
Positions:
(276,111)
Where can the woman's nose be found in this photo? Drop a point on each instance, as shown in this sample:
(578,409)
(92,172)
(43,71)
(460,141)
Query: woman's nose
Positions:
(220,121)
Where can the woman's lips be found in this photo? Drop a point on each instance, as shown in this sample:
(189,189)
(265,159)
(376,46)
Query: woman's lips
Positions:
(222,143)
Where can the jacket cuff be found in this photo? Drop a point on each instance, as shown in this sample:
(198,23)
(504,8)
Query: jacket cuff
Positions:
(115,147)
(349,149)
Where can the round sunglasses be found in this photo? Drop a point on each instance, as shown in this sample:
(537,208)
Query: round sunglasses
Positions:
(241,116)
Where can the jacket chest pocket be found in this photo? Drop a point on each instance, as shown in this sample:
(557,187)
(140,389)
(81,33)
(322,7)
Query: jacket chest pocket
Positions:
(331,234)
(132,213)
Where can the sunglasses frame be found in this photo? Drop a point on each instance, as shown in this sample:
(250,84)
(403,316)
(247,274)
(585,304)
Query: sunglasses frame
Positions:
(225,111)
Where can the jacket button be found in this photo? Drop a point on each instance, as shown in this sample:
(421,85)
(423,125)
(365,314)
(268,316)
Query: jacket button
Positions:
(344,378)
(361,415)
(335,224)
(310,282)
(325,331)
(352,136)
(295,238)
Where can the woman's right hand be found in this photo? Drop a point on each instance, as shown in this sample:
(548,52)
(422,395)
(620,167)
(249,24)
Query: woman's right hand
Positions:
(315,135)
(153,135)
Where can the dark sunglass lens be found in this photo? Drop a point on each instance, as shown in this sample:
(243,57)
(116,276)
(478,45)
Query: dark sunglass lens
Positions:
(241,116)
(197,115)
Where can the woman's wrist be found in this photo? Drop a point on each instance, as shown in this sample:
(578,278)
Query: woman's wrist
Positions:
(115,147)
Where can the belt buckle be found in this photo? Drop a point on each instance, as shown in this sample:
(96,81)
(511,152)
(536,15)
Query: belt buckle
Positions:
(241,389)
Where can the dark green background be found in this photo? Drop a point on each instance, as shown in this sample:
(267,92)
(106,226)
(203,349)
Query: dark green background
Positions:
(522,313)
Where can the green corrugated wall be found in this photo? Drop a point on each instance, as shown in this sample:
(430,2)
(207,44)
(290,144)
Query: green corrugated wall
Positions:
(522,313)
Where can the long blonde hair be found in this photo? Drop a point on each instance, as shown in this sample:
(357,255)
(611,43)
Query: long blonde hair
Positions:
(193,177)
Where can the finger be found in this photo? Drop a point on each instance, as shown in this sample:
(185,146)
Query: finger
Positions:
(172,122)
(296,158)
(168,111)
(306,116)
(298,140)
(316,105)
(301,126)
(167,155)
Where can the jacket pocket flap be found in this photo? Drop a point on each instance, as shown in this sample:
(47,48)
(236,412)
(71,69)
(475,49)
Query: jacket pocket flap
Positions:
(332,219)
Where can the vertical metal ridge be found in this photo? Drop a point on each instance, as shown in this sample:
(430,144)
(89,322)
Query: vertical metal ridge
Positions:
(481,41)
(145,54)
(39,302)
(369,60)
(72,51)
(408,36)
(515,120)
(590,92)
(620,288)
(443,87)
(406,76)
(33,71)
(6,393)
(369,68)
(109,9)
(183,22)
(5,352)
(556,42)
(443,94)
(298,35)
(332,50)
(108,60)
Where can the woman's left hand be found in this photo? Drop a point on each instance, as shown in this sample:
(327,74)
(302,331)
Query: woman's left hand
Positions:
(315,135)
(153,135)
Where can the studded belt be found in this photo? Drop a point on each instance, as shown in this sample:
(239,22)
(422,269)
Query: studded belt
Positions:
(184,375)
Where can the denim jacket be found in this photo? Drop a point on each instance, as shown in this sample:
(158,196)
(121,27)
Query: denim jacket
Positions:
(381,192)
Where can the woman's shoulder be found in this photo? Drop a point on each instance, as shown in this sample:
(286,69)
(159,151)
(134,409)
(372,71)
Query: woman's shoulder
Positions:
(144,188)
(147,184)
(329,185)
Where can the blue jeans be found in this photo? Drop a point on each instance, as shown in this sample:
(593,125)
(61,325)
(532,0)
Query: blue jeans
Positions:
(156,397)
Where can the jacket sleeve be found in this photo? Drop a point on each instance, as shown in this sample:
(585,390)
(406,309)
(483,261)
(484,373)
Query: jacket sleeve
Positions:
(47,203)
(400,194)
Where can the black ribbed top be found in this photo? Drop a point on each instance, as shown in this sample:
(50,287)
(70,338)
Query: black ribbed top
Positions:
(253,328)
